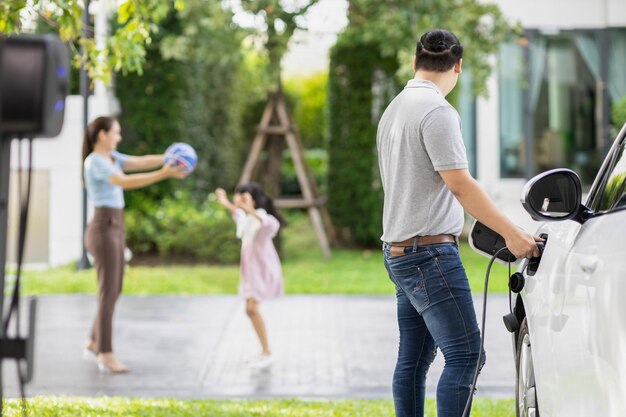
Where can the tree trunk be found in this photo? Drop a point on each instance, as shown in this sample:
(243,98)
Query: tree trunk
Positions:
(273,163)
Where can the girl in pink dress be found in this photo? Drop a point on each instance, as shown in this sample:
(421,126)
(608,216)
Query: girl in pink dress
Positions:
(261,274)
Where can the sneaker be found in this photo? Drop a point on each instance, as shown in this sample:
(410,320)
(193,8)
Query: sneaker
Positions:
(251,359)
(261,362)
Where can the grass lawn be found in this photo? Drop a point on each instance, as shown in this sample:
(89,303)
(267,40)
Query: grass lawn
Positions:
(118,407)
(305,270)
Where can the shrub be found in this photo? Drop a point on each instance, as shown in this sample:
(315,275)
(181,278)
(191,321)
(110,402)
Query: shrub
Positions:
(179,227)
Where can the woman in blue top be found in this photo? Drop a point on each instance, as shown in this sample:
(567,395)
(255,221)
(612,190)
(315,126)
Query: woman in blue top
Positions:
(104,172)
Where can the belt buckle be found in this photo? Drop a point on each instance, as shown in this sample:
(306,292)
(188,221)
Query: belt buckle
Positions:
(397,250)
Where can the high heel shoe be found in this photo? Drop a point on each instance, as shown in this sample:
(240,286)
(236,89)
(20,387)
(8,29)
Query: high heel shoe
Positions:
(107,363)
(88,352)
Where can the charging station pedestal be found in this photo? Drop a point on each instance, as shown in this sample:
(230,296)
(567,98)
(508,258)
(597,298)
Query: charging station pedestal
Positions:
(34,72)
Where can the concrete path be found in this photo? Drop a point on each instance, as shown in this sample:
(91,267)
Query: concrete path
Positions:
(196,347)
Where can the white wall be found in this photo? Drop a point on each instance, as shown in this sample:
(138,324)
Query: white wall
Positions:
(616,12)
(60,157)
(565,14)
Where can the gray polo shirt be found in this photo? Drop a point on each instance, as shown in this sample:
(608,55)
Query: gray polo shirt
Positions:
(418,135)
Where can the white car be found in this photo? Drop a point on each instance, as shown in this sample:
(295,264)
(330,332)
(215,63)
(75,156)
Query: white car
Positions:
(570,316)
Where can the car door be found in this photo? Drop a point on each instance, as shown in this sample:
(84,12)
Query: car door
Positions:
(577,316)
(549,320)
(597,284)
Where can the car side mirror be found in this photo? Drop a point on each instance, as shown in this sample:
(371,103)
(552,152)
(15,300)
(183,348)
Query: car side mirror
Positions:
(554,195)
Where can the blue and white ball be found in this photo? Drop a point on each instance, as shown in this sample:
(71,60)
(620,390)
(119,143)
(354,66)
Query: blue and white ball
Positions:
(181,154)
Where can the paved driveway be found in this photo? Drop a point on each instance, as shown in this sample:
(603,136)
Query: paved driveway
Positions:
(196,346)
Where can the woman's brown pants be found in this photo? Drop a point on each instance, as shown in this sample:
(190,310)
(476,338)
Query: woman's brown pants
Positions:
(105,240)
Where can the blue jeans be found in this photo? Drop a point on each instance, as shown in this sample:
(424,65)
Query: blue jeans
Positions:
(435,310)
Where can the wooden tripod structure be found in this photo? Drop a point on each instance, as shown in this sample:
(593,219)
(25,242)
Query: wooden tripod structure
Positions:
(276,124)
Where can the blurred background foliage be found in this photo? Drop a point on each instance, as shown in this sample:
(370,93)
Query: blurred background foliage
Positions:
(187,71)
(206,80)
(206,83)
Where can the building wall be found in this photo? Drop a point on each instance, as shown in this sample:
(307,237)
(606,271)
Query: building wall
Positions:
(565,14)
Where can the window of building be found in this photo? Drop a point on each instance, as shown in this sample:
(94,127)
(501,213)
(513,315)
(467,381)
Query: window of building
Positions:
(467,111)
(551,90)
(564,119)
(463,99)
(617,66)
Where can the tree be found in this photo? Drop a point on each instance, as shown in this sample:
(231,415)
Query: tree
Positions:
(124,50)
(281,19)
(280,23)
(396,27)
(190,92)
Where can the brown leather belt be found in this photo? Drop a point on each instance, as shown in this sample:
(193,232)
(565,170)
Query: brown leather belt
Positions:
(397,248)
(425,240)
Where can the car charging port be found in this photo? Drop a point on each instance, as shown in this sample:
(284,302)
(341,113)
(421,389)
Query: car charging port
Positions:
(533,263)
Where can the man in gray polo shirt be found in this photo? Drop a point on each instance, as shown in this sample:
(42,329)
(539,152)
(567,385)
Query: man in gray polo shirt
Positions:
(427,185)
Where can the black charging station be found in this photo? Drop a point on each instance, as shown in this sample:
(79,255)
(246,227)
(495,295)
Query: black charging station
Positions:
(34,71)
(34,84)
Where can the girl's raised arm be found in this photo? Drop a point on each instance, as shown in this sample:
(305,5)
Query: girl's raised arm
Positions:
(222,198)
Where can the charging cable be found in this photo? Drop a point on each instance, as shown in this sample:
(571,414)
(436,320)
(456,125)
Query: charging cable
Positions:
(480,363)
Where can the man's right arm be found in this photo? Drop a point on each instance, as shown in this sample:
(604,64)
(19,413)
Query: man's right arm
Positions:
(477,203)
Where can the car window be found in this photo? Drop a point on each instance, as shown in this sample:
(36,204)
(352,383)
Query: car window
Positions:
(612,190)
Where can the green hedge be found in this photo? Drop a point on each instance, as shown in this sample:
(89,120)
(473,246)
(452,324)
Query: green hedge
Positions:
(354,190)
(180,228)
